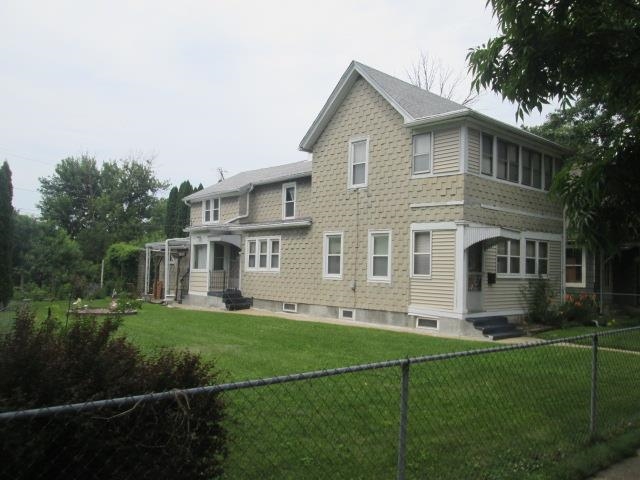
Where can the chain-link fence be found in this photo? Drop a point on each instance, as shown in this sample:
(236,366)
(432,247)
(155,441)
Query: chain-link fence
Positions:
(506,412)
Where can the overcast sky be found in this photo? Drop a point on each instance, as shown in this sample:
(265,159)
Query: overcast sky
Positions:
(201,84)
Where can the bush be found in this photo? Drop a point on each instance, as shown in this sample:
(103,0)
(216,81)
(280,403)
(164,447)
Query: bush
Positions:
(43,364)
(579,308)
(538,294)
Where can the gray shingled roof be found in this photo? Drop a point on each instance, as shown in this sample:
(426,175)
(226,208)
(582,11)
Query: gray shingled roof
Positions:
(239,183)
(416,101)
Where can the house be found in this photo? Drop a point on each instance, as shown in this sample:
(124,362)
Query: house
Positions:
(413,211)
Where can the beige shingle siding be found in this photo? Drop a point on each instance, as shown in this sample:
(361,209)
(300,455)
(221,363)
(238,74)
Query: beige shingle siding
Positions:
(198,282)
(507,293)
(480,191)
(446,151)
(473,153)
(437,292)
(266,201)
(196,214)
(229,208)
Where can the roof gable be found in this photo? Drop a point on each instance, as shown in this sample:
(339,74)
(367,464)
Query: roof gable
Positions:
(412,102)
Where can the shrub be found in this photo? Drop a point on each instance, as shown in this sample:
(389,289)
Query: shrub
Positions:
(579,308)
(43,364)
(538,295)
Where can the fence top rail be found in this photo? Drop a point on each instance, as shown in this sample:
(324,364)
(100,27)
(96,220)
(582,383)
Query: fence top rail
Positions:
(225,387)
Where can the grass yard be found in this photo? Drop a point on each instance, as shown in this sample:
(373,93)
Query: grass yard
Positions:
(518,414)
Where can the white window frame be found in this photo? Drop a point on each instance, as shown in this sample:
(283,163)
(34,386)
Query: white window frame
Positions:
(509,255)
(413,253)
(325,256)
(366,162)
(379,278)
(583,283)
(206,255)
(269,253)
(493,154)
(536,258)
(285,187)
(212,210)
(290,310)
(421,173)
(341,313)
(437,327)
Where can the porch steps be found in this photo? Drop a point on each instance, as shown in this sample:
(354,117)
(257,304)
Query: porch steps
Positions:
(496,327)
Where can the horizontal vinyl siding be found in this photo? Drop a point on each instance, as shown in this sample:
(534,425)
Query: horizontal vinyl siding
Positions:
(473,158)
(446,151)
(198,282)
(437,292)
(507,293)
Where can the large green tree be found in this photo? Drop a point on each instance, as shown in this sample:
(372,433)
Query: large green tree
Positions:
(172,212)
(6,235)
(101,206)
(585,54)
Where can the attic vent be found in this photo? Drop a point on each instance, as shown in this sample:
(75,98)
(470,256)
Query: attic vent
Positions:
(347,314)
(427,323)
(290,307)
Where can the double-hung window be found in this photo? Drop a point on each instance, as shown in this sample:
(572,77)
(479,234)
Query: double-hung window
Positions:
(263,254)
(508,257)
(421,264)
(200,257)
(531,168)
(536,257)
(508,161)
(421,153)
(548,171)
(574,265)
(332,255)
(211,210)
(487,154)
(358,162)
(288,200)
(379,268)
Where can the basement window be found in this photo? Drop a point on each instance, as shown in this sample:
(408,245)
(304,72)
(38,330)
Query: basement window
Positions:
(347,314)
(427,323)
(290,307)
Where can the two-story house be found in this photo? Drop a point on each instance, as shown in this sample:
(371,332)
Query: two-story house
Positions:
(414,211)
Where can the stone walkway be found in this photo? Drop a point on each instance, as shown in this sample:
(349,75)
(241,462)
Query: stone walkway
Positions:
(628,469)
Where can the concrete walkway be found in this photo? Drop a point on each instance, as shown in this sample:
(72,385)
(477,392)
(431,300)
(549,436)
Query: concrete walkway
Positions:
(628,469)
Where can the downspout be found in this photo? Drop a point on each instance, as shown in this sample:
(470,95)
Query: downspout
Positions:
(246,214)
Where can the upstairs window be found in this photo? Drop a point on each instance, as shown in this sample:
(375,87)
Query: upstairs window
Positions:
(531,168)
(211,211)
(358,162)
(487,154)
(548,172)
(422,153)
(508,161)
(508,257)
(288,200)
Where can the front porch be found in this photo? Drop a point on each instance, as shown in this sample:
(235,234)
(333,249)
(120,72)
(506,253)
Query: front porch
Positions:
(215,265)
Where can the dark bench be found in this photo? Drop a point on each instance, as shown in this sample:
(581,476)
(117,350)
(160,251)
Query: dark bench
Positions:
(234,300)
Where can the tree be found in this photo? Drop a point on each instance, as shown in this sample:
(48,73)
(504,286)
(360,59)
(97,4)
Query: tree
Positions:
(183,216)
(585,55)
(172,213)
(6,235)
(98,207)
(431,74)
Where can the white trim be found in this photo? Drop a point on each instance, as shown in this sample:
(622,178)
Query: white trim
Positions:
(199,294)
(325,256)
(421,311)
(548,237)
(370,276)
(342,310)
(285,187)
(519,212)
(459,275)
(269,254)
(247,227)
(505,313)
(434,226)
(412,253)
(583,283)
(426,173)
(294,310)
(352,141)
(436,204)
(435,175)
(437,327)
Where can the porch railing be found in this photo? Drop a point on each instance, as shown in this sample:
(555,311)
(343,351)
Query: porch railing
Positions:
(221,280)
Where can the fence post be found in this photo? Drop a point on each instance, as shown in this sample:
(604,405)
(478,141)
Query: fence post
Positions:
(594,386)
(404,410)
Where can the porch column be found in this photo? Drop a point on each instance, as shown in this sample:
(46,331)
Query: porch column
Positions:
(167,257)
(147,265)
(460,292)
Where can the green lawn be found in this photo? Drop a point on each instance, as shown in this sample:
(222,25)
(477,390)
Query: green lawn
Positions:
(518,414)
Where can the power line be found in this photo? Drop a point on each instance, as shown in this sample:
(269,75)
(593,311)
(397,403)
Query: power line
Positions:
(5,152)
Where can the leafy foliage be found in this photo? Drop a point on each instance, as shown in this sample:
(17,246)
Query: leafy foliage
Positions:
(538,295)
(45,364)
(177,211)
(584,54)
(122,260)
(6,234)
(579,308)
